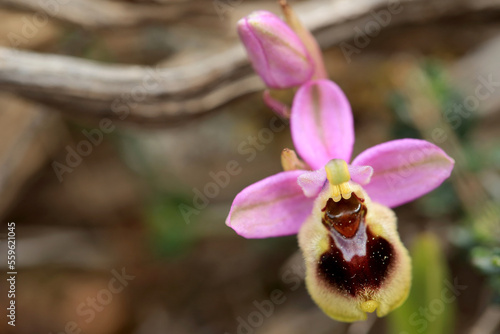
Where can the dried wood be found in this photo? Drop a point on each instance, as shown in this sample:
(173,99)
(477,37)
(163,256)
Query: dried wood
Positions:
(95,14)
(165,95)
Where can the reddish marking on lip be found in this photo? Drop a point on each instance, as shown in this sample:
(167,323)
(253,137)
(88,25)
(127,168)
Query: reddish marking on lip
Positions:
(345,215)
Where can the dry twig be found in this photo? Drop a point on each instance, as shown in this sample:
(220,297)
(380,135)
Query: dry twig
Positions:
(143,95)
(93,14)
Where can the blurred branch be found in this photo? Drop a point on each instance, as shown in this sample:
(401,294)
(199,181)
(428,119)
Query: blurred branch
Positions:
(142,95)
(135,93)
(92,14)
(49,246)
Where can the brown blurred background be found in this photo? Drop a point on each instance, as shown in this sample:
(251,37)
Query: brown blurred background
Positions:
(82,220)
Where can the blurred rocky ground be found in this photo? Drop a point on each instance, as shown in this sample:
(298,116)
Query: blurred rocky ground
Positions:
(104,241)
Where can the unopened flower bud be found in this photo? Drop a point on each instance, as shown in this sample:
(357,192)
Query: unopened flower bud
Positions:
(277,54)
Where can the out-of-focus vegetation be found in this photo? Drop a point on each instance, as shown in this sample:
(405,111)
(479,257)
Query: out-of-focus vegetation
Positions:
(431,306)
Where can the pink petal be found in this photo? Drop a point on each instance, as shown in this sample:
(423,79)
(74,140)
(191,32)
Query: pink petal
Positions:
(404,170)
(322,123)
(361,174)
(272,207)
(312,182)
(276,52)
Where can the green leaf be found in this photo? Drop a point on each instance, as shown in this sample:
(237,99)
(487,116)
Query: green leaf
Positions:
(168,233)
(431,305)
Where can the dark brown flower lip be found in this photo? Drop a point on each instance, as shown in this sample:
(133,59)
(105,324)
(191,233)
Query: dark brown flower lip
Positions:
(362,273)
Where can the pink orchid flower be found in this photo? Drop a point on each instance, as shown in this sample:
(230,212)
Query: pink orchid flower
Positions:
(355,261)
